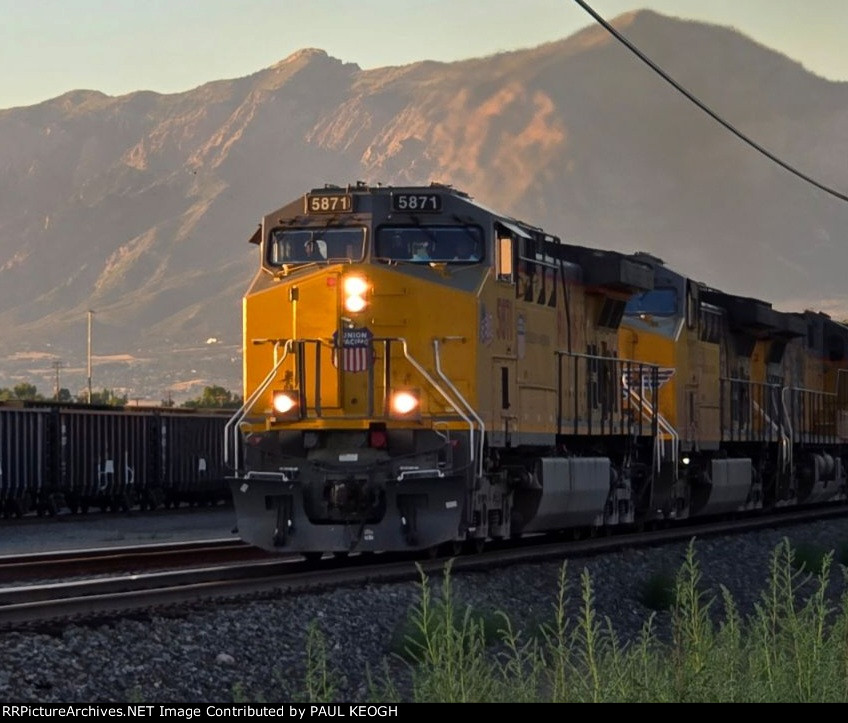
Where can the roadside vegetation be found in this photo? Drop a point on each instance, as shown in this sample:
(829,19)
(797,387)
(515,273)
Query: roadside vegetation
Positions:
(793,647)
(213,397)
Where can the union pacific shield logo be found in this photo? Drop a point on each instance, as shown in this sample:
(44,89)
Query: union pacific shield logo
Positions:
(356,350)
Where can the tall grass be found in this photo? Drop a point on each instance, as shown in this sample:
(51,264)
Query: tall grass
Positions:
(793,647)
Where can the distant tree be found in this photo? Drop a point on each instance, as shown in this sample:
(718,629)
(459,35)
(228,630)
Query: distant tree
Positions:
(65,395)
(6,394)
(26,391)
(105,397)
(214,397)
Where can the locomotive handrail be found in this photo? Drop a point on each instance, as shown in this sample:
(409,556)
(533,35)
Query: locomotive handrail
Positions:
(636,397)
(622,359)
(767,418)
(749,404)
(282,475)
(785,441)
(663,424)
(839,373)
(539,262)
(807,390)
(826,404)
(231,428)
(239,416)
(471,409)
(424,373)
(419,473)
(788,460)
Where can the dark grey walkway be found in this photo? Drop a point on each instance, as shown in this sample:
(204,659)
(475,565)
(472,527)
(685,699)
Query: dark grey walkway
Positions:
(67,532)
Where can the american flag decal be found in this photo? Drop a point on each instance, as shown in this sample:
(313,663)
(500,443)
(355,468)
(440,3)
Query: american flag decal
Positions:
(644,378)
(356,351)
(487,325)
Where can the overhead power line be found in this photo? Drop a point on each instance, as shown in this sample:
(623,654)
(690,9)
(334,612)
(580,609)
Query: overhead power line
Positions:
(659,71)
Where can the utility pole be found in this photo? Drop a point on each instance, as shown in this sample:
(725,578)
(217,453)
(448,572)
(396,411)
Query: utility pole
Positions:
(57,365)
(90,313)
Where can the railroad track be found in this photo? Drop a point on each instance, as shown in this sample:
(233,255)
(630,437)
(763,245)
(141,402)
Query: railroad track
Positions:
(177,577)
(138,558)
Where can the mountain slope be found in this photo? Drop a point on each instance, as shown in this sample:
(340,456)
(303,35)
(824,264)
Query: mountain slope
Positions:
(139,207)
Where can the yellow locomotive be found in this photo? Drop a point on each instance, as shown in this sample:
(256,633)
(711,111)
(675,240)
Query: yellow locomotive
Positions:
(752,403)
(421,372)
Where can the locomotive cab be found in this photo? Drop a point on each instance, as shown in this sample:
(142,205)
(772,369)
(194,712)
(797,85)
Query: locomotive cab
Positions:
(357,425)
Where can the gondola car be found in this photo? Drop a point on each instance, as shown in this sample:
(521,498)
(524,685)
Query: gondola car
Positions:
(75,457)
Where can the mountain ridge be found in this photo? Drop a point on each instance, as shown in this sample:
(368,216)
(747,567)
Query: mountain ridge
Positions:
(139,206)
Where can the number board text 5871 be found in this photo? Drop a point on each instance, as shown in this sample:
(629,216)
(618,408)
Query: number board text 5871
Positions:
(417,202)
(329,203)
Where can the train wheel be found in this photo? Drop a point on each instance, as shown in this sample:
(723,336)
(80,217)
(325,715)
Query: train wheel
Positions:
(478,545)
(341,554)
(312,556)
(454,548)
(126,501)
(53,505)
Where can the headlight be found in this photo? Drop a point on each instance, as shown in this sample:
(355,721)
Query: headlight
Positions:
(285,403)
(355,291)
(404,403)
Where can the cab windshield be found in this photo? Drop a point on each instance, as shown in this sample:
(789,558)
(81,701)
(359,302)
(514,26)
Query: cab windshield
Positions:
(451,244)
(658,302)
(303,246)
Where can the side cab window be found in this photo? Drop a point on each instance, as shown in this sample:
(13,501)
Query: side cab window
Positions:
(692,305)
(505,257)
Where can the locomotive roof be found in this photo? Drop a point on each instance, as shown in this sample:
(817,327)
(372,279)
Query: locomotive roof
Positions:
(360,189)
(755,316)
(609,268)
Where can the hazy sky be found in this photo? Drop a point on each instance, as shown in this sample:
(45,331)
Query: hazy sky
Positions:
(48,47)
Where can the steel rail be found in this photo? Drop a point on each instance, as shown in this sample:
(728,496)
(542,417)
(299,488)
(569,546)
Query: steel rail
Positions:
(25,606)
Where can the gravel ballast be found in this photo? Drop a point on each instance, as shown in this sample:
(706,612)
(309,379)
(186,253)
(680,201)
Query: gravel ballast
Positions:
(255,651)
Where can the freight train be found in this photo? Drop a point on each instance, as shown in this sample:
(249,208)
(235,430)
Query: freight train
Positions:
(75,458)
(422,373)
